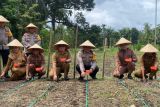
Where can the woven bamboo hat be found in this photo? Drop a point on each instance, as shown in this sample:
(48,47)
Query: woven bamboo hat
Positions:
(3,19)
(61,43)
(15,43)
(123,41)
(36,46)
(149,49)
(87,43)
(31,25)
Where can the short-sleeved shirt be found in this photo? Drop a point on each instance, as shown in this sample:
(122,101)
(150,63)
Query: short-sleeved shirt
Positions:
(37,60)
(123,54)
(86,59)
(29,39)
(148,61)
(5,37)
(57,55)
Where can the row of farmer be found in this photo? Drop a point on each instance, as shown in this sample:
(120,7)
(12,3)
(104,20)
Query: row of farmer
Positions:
(32,62)
(26,67)
(29,38)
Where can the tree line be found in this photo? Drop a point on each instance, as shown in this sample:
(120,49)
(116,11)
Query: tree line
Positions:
(57,13)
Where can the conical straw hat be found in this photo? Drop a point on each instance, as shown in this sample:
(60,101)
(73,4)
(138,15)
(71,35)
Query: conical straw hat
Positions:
(36,46)
(31,25)
(3,19)
(16,43)
(123,41)
(61,42)
(149,48)
(87,43)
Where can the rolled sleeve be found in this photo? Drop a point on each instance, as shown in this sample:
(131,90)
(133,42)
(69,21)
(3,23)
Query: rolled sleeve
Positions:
(94,64)
(80,62)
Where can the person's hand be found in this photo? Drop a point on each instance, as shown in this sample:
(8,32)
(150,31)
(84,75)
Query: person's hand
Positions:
(87,72)
(2,74)
(91,70)
(82,74)
(27,77)
(31,65)
(55,77)
(63,60)
(144,80)
(16,65)
(39,69)
(68,60)
(153,68)
(128,60)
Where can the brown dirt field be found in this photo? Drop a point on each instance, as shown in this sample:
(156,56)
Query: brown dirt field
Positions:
(107,92)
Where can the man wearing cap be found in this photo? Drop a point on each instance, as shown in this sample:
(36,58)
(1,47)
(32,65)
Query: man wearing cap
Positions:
(125,59)
(60,61)
(86,61)
(5,37)
(149,63)
(30,37)
(16,61)
(35,62)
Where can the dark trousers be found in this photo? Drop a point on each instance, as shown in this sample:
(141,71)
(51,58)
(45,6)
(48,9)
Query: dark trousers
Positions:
(93,74)
(4,54)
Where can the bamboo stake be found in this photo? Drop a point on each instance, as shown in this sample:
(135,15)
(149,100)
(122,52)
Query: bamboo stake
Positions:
(104,56)
(75,52)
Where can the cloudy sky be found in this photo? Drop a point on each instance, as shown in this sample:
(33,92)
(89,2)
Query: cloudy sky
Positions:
(123,13)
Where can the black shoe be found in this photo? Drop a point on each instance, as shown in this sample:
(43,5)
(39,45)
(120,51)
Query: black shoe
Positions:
(94,78)
(39,76)
(66,79)
(121,76)
(81,78)
(146,76)
(6,76)
(130,77)
(150,78)
(60,75)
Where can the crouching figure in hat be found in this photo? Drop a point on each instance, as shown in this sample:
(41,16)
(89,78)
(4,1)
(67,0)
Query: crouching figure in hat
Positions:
(35,62)
(86,61)
(60,61)
(125,59)
(149,63)
(16,61)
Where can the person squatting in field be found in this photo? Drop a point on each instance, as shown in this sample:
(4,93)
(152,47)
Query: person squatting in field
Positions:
(149,63)
(16,61)
(35,62)
(60,61)
(125,60)
(86,61)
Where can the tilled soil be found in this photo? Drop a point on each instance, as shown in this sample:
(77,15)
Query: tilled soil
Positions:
(107,92)
(66,94)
